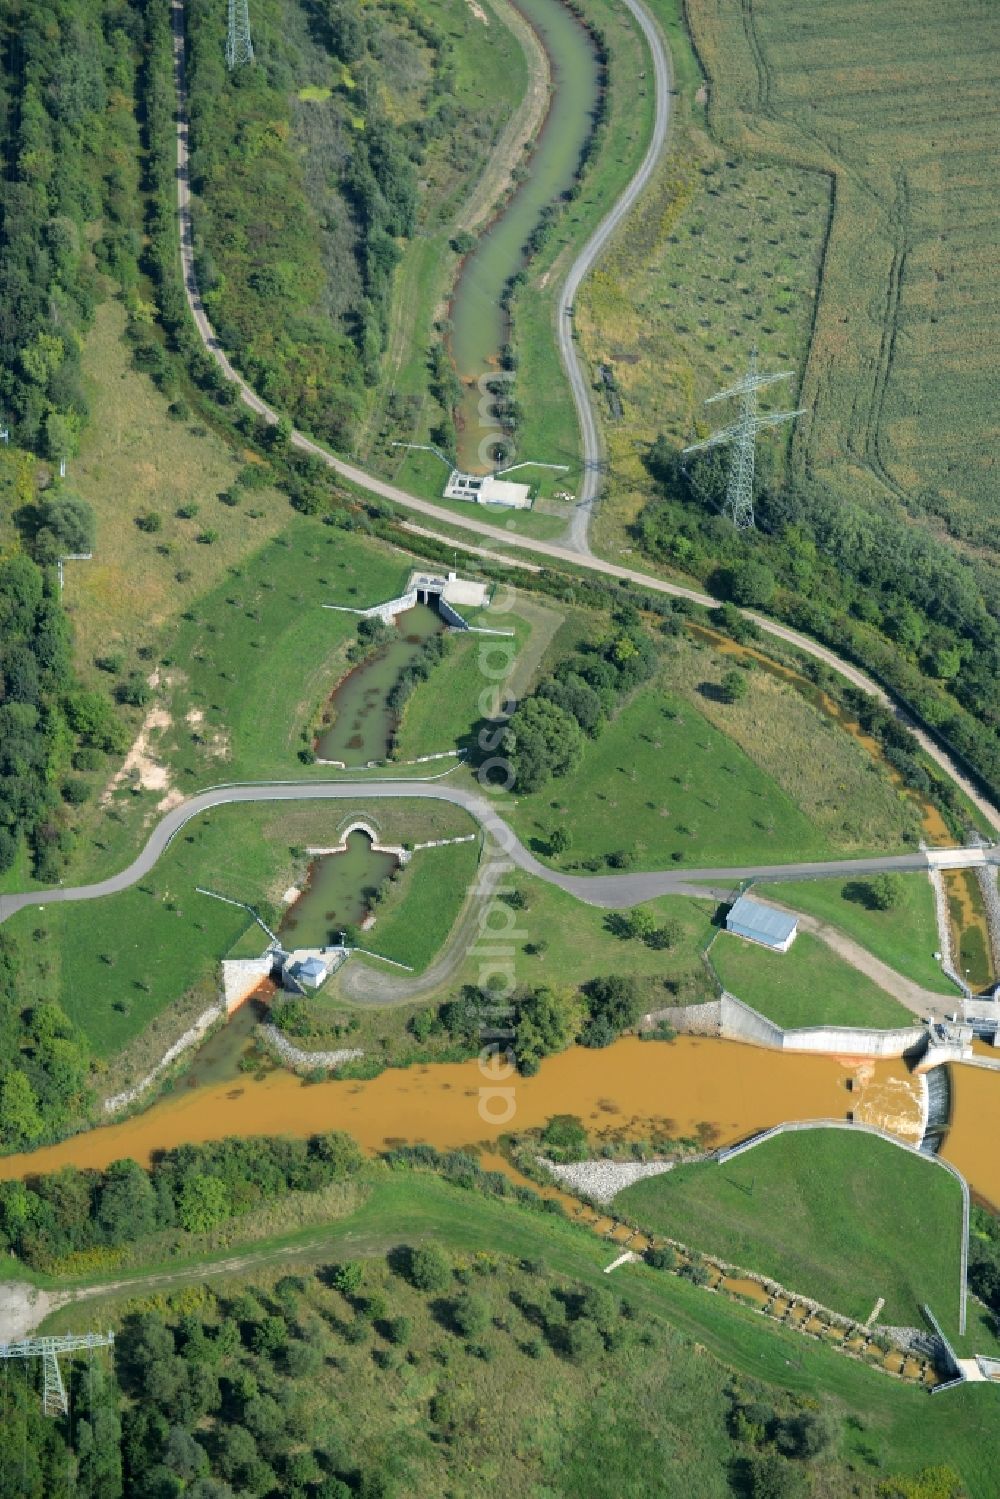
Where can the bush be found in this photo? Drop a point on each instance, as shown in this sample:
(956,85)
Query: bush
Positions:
(734,685)
(428,1268)
(662,1258)
(150,521)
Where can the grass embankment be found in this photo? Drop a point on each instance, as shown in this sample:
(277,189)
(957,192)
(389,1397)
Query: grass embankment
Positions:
(413,922)
(135,459)
(670,786)
(905,937)
(443,710)
(807,985)
(547,430)
(887,1427)
(840,1217)
(116,963)
(241,676)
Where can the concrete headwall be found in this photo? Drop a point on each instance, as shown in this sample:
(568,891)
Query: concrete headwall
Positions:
(241,976)
(740,1022)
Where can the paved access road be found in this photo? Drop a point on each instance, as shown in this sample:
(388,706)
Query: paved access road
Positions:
(613,891)
(593,451)
(510,539)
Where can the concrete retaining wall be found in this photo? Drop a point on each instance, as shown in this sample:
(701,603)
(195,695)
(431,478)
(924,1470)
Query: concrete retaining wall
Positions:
(740,1022)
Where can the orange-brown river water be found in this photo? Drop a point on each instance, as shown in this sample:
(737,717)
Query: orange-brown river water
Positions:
(971,1140)
(716,1090)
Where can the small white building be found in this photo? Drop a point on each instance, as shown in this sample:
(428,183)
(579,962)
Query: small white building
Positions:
(302,972)
(484,489)
(766,925)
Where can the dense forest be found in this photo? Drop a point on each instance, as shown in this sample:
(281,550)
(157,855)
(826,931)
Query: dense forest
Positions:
(66,223)
(865,581)
(305,184)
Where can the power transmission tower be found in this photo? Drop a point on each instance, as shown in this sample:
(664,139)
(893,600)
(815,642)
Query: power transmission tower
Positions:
(743,433)
(54,1402)
(239,47)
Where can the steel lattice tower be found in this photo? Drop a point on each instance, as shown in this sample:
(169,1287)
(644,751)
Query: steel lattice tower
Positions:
(743,433)
(54,1402)
(239,47)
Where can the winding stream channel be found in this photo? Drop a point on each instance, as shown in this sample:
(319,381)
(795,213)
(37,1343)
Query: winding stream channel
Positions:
(479,324)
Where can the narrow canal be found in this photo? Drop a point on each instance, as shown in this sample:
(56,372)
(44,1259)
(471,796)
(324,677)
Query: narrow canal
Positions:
(338,894)
(479,325)
(359,722)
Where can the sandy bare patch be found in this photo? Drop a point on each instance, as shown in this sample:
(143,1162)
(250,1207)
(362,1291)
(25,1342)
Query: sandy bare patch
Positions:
(140,760)
(478,12)
(701,97)
(292,893)
(218,745)
(173,798)
(195,717)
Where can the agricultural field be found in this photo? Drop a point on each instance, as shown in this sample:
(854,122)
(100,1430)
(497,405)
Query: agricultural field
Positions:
(807,985)
(844,1219)
(905,937)
(863,143)
(116,964)
(721,252)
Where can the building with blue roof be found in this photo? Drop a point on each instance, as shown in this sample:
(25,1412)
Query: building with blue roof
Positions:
(762,924)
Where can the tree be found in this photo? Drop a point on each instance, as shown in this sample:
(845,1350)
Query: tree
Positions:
(20,1120)
(560,840)
(547,1020)
(542,740)
(734,685)
(771,1477)
(126,1204)
(886,892)
(65,524)
(429,1268)
(614,1005)
(565,1137)
(471,1315)
(750,583)
(347,1278)
(204,1202)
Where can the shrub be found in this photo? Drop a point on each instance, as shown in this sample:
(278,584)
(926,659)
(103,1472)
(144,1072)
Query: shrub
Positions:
(150,521)
(428,1268)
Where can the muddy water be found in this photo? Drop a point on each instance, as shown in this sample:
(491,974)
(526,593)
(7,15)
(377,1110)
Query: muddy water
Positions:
(361,721)
(338,894)
(717,1090)
(969,929)
(971,1140)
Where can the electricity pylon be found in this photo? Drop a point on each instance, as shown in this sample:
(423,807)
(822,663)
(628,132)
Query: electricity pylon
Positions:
(743,433)
(239,47)
(54,1402)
